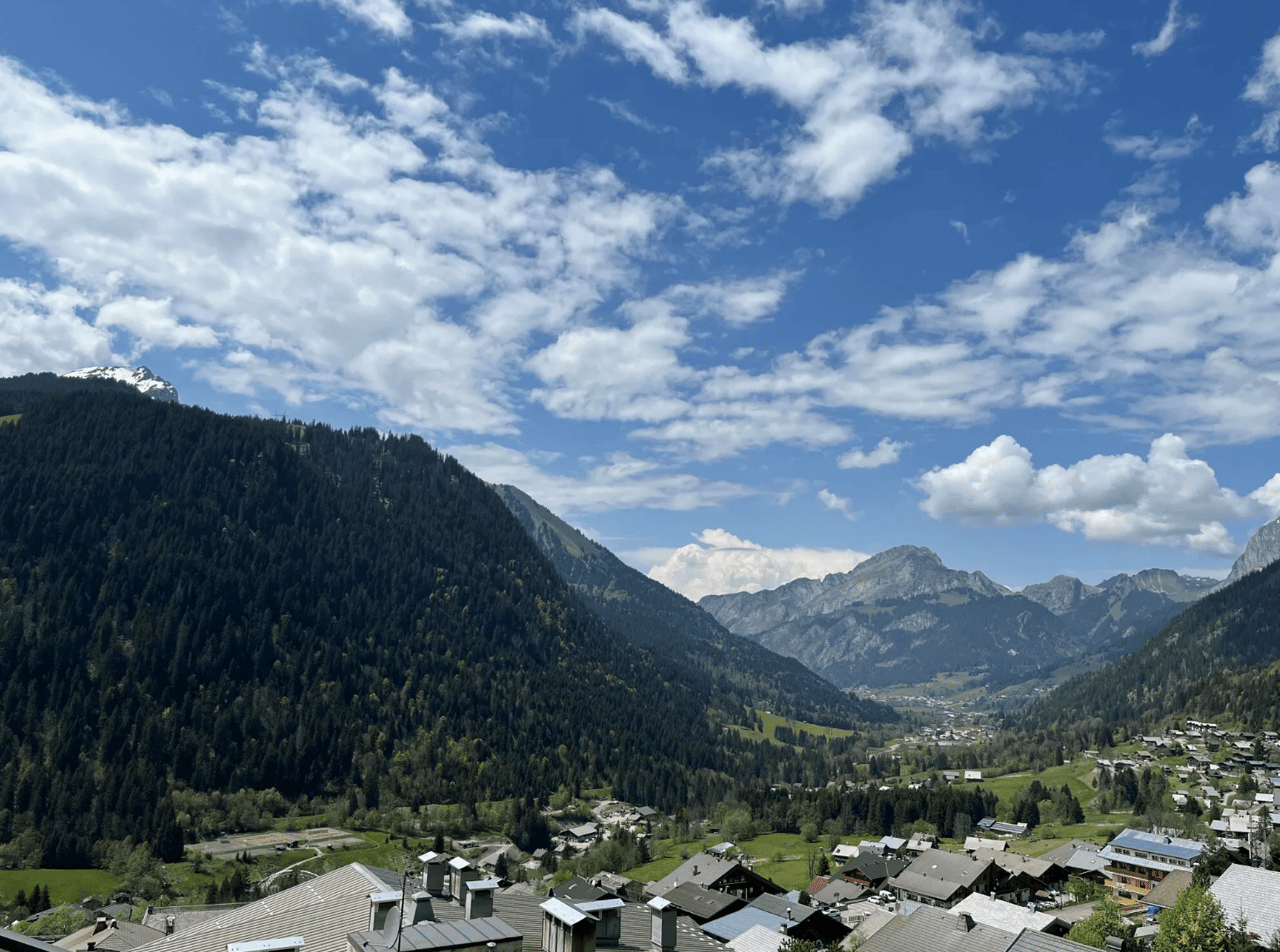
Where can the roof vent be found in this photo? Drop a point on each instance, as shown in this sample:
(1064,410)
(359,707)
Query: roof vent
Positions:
(964,922)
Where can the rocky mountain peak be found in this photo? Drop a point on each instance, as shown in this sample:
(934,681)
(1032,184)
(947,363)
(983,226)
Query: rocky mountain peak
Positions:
(1061,594)
(1259,552)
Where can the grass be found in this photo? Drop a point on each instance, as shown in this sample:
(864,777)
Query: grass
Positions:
(65,885)
(12,418)
(384,851)
(771,723)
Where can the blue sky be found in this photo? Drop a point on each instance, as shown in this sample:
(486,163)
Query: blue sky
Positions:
(745,290)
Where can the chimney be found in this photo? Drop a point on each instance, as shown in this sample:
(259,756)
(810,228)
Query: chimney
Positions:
(964,922)
(170,923)
(480,898)
(100,922)
(381,905)
(663,918)
(420,908)
(433,872)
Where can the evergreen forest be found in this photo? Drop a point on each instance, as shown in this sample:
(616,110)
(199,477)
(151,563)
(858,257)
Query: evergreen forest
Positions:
(197,602)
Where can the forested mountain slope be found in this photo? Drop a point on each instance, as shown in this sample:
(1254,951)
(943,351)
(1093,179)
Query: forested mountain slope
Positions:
(1218,658)
(650,613)
(188,598)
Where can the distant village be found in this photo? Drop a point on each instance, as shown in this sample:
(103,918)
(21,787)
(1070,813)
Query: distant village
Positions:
(892,894)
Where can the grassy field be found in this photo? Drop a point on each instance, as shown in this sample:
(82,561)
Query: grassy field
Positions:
(383,851)
(65,885)
(782,857)
(772,721)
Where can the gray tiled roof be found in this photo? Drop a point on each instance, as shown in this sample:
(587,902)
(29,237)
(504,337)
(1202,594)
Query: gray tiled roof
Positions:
(758,939)
(322,911)
(1029,941)
(936,931)
(115,936)
(1002,915)
(1250,894)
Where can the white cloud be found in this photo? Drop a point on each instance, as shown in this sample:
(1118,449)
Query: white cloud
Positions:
(1166,499)
(961,229)
(385,252)
(623,482)
(1067,41)
(1264,89)
(885,453)
(1174,26)
(40,330)
(599,372)
(481,25)
(381,16)
(1268,495)
(720,562)
(715,429)
(620,110)
(1158,148)
(912,71)
(837,503)
(638,41)
(153,324)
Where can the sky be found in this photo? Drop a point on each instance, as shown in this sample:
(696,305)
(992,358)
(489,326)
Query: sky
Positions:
(746,291)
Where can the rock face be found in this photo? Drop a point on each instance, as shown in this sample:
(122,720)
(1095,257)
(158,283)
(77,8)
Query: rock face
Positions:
(1261,551)
(140,378)
(905,571)
(1061,594)
(902,617)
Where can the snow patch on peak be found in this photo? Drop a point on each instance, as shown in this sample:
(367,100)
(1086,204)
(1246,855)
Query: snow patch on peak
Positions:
(140,378)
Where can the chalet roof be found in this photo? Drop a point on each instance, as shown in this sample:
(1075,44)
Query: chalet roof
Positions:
(758,939)
(727,928)
(706,870)
(1159,849)
(1029,941)
(113,936)
(1166,891)
(429,936)
(839,891)
(972,843)
(701,903)
(322,910)
(937,931)
(569,915)
(958,868)
(578,890)
(1250,894)
(1062,854)
(11,941)
(1002,915)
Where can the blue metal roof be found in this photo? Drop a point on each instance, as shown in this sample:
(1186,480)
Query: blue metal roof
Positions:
(1158,845)
(734,924)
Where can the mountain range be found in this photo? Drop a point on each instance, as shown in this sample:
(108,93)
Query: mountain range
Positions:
(902,616)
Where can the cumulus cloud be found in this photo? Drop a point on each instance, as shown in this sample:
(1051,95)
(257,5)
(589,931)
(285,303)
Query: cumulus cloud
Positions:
(622,482)
(1175,25)
(1168,498)
(384,252)
(912,70)
(40,330)
(885,453)
(720,562)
